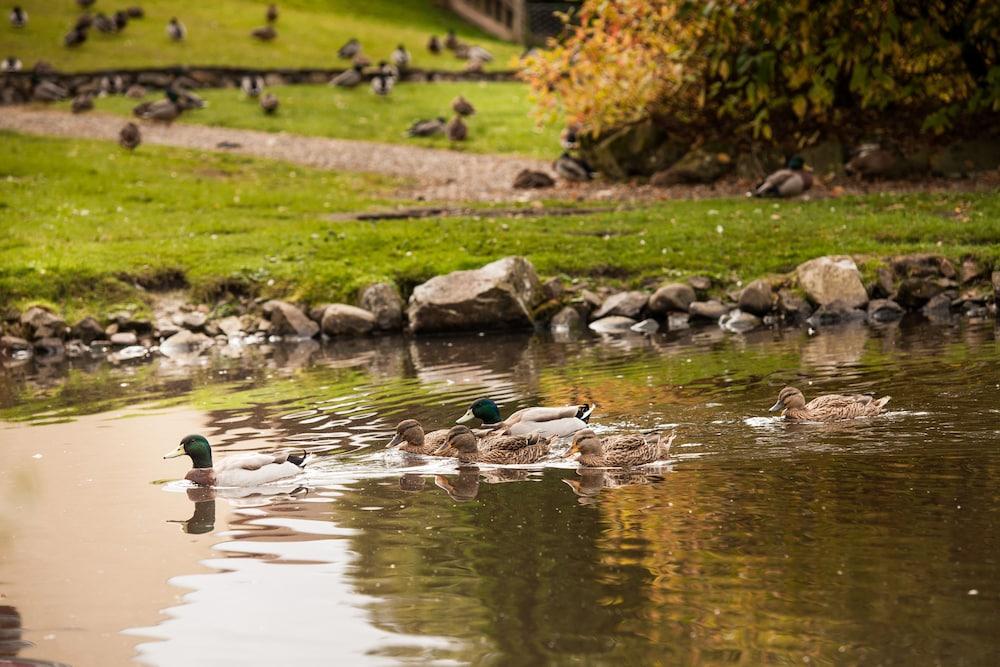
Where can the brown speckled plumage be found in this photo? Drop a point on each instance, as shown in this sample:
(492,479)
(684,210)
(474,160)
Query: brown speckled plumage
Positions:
(464,445)
(826,408)
(411,438)
(619,451)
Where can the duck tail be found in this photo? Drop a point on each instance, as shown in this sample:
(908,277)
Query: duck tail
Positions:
(882,401)
(583,414)
(300,461)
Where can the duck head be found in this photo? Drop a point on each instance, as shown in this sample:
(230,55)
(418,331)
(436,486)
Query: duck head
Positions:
(462,439)
(796,163)
(409,431)
(586,443)
(195,446)
(789,397)
(483,409)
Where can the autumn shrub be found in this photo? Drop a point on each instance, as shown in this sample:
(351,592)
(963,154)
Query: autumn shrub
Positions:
(754,66)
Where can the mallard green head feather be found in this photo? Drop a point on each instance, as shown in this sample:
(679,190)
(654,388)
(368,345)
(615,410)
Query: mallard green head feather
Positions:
(483,409)
(195,446)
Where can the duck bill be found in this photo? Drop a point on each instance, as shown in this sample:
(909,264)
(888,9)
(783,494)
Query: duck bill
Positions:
(396,439)
(175,453)
(466,418)
(776,407)
(572,450)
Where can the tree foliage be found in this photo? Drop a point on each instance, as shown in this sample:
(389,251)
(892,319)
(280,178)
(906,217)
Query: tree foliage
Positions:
(756,64)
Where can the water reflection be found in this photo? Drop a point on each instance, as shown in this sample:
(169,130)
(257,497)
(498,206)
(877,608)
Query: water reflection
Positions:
(758,541)
(11,642)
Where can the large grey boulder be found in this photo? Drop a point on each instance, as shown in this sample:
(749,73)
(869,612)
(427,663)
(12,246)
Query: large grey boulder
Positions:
(289,321)
(341,319)
(383,301)
(672,298)
(623,304)
(41,321)
(832,278)
(756,298)
(500,295)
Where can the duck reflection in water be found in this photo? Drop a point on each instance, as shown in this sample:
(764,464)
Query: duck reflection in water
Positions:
(11,642)
(465,486)
(594,480)
(202,520)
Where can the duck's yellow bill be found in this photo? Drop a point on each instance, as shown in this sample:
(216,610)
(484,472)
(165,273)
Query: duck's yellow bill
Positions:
(572,450)
(175,453)
(466,418)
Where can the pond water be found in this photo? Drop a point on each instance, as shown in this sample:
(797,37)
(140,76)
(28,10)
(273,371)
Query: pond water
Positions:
(757,541)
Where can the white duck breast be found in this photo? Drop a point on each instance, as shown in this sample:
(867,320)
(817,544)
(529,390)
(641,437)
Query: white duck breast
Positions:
(254,469)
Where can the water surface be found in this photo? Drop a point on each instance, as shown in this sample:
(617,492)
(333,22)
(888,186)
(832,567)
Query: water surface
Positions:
(757,541)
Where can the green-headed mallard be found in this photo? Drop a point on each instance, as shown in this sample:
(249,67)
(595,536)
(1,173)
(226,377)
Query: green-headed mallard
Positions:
(129,137)
(350,49)
(264,33)
(235,470)
(462,106)
(400,57)
(788,182)
(572,169)
(560,421)
(269,103)
(410,437)
(826,408)
(176,30)
(465,444)
(427,127)
(382,83)
(619,451)
(18,17)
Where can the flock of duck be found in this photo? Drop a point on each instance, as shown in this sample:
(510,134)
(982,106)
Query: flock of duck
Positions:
(527,436)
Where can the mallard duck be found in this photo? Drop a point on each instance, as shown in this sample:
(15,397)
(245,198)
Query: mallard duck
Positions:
(104,24)
(83,22)
(528,179)
(120,19)
(382,84)
(476,52)
(411,438)
(272,13)
(561,421)
(492,440)
(135,12)
(81,103)
(110,85)
(235,470)
(252,86)
(18,17)
(269,103)
(462,106)
(388,69)
(465,444)
(136,91)
(264,33)
(176,30)
(427,127)
(47,91)
(349,78)
(434,45)
(350,49)
(11,64)
(569,138)
(870,161)
(400,57)
(129,137)
(826,408)
(619,451)
(85,3)
(451,40)
(187,100)
(162,111)
(456,129)
(75,37)
(788,182)
(572,169)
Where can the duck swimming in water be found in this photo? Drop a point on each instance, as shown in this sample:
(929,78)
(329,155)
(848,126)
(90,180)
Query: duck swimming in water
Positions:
(235,470)
(619,451)
(559,421)
(826,408)
(465,445)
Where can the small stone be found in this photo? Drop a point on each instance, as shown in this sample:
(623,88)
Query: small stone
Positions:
(287,320)
(231,326)
(995,279)
(647,326)
(124,338)
(343,320)
(738,321)
(884,310)
(552,288)
(185,343)
(707,310)
(970,271)
(129,353)
(756,298)
(793,307)
(938,308)
(566,320)
(671,298)
(382,300)
(700,283)
(76,348)
(614,324)
(50,347)
(830,279)
(194,321)
(623,304)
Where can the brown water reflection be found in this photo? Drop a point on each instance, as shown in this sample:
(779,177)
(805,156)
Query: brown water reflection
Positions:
(757,542)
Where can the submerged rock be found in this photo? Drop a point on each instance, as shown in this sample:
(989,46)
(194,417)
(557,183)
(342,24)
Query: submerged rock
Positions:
(185,343)
(567,320)
(938,308)
(836,313)
(500,295)
(832,279)
(341,319)
(884,310)
(124,338)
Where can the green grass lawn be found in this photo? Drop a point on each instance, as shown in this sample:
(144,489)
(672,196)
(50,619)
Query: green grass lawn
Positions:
(80,220)
(501,125)
(309,34)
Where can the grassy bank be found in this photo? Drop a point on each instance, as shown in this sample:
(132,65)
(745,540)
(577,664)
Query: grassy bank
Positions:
(309,34)
(501,124)
(81,221)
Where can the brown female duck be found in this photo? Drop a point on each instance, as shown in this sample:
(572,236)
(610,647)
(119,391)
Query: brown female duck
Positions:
(827,408)
(411,438)
(491,441)
(619,451)
(523,449)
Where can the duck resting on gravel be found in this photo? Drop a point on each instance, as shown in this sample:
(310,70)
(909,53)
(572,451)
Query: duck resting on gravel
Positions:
(427,127)
(236,470)
(788,182)
(129,137)
(827,408)
(464,443)
(619,451)
(572,169)
(349,78)
(176,30)
(560,421)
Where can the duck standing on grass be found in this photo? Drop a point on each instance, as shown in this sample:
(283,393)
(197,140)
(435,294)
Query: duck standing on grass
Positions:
(573,169)
(400,57)
(434,45)
(350,49)
(265,33)
(272,13)
(462,106)
(619,451)
(176,30)
(827,408)
(382,84)
(456,129)
(451,40)
(269,103)
(104,24)
(129,137)
(349,78)
(11,64)
(560,421)
(252,86)
(75,37)
(427,128)
(788,182)
(18,17)
(238,469)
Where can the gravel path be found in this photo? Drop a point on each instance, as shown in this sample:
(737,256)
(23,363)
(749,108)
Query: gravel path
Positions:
(438,174)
